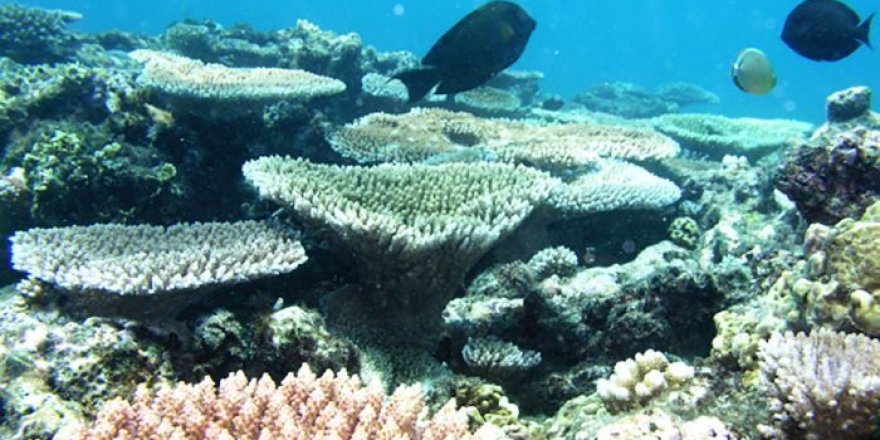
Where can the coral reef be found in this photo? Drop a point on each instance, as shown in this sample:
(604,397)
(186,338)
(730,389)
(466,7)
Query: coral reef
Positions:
(833,180)
(302,406)
(415,230)
(82,176)
(187,82)
(33,35)
(822,385)
(422,133)
(519,266)
(716,136)
(123,270)
(630,101)
(644,377)
(594,312)
(55,369)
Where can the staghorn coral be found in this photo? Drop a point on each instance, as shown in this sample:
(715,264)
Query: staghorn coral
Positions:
(414,229)
(716,136)
(422,133)
(611,186)
(34,35)
(820,386)
(190,80)
(132,264)
(303,405)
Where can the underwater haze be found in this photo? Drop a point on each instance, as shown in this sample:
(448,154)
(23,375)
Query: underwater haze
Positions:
(576,44)
(439,220)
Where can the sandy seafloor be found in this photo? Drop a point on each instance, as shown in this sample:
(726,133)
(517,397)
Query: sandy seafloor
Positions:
(624,258)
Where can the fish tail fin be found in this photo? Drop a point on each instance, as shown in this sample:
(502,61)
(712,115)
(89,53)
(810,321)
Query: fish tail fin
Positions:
(419,81)
(863,31)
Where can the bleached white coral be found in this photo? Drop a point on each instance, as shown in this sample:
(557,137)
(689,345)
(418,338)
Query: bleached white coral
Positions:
(144,260)
(636,381)
(821,386)
(613,185)
(414,229)
(183,77)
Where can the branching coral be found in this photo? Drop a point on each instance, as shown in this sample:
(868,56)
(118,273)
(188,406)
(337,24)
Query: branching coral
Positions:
(414,229)
(423,133)
(717,136)
(302,406)
(105,262)
(191,80)
(613,185)
(821,386)
(33,35)
(499,360)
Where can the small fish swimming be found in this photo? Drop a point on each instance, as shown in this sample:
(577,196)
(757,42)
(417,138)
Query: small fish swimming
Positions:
(752,72)
(825,30)
(479,46)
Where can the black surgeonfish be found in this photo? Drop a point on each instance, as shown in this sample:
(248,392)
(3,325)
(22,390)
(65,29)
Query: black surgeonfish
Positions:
(825,30)
(479,46)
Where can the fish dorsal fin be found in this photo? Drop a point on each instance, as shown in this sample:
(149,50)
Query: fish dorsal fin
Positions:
(863,31)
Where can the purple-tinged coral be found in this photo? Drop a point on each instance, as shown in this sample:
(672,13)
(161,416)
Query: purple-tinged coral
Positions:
(836,179)
(825,385)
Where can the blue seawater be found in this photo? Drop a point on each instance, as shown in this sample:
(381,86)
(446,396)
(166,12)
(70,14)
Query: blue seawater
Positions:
(577,43)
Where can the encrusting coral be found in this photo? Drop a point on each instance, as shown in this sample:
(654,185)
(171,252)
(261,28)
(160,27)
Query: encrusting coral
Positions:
(302,406)
(821,386)
(103,263)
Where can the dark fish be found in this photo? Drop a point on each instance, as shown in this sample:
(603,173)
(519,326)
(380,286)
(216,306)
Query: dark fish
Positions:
(479,46)
(553,103)
(825,30)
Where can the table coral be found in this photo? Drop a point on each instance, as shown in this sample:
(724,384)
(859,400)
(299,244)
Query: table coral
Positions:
(422,133)
(413,229)
(716,136)
(116,269)
(192,81)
